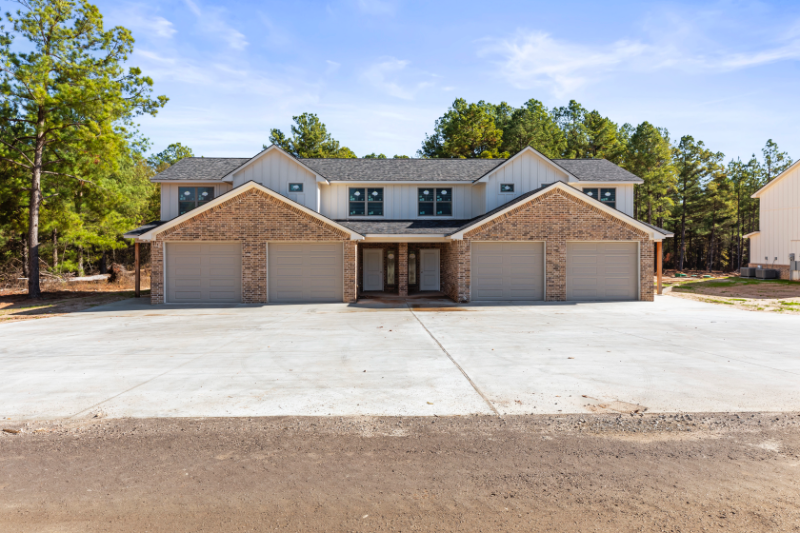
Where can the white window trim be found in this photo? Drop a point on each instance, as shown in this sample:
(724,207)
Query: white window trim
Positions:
(366,202)
(513,186)
(302,187)
(435,216)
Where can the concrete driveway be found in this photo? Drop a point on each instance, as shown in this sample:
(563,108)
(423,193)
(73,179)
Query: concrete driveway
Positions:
(130,359)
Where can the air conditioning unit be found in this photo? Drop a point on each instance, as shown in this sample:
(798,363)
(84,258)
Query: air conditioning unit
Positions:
(767,273)
(747,272)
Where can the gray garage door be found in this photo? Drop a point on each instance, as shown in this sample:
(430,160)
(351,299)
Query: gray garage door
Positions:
(305,272)
(602,271)
(204,273)
(507,271)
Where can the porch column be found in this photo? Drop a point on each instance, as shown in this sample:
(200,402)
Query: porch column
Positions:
(658,265)
(402,269)
(137,270)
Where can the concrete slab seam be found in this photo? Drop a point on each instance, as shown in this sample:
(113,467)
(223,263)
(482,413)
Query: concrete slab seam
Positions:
(439,344)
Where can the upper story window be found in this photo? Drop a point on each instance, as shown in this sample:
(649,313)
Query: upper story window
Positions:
(607,196)
(435,202)
(295,187)
(506,187)
(366,202)
(191,197)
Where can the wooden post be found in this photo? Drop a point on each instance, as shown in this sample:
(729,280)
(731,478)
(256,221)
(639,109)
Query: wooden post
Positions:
(137,287)
(659,265)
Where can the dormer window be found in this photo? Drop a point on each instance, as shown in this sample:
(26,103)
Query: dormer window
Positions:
(435,202)
(192,197)
(607,196)
(366,202)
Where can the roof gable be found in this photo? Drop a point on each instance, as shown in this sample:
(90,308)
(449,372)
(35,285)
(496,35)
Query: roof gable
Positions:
(150,235)
(655,232)
(266,152)
(783,175)
(527,152)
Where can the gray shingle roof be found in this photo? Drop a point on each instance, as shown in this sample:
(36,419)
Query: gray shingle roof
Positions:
(201,168)
(132,234)
(596,170)
(396,227)
(466,170)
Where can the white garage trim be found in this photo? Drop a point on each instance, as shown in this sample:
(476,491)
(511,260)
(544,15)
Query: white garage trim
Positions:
(638,265)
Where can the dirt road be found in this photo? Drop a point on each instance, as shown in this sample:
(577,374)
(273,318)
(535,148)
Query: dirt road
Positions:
(532,473)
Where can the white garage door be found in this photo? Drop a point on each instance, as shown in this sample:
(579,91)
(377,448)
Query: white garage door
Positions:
(507,271)
(602,271)
(204,273)
(305,272)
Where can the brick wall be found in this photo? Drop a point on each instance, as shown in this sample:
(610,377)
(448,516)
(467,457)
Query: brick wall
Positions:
(253,218)
(556,219)
(785,273)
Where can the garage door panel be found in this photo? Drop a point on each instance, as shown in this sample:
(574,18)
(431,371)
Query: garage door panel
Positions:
(507,271)
(305,272)
(602,271)
(204,273)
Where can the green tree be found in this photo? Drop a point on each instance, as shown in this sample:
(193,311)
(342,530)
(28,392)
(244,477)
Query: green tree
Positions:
(775,161)
(465,131)
(72,95)
(695,165)
(572,121)
(649,156)
(373,155)
(530,125)
(400,157)
(310,139)
(169,156)
(718,215)
(606,141)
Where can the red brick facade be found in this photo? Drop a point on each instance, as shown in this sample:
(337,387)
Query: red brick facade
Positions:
(253,218)
(555,218)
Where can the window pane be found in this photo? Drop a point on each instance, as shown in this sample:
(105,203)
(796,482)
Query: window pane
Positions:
(357,195)
(591,192)
(187,193)
(444,195)
(444,209)
(608,195)
(356,208)
(295,187)
(506,187)
(375,195)
(204,194)
(426,209)
(185,207)
(375,209)
(425,195)
(612,205)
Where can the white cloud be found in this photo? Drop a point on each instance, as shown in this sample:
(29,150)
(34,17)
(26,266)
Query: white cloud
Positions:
(537,59)
(332,67)
(210,21)
(385,76)
(133,17)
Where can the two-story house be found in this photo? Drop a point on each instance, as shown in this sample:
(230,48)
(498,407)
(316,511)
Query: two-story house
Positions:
(275,228)
(778,237)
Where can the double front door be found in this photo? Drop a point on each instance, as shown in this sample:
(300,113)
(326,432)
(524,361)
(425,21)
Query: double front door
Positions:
(428,271)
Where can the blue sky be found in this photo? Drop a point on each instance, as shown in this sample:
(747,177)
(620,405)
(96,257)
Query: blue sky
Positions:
(379,72)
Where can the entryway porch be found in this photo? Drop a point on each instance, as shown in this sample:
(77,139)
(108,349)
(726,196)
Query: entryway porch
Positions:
(400,269)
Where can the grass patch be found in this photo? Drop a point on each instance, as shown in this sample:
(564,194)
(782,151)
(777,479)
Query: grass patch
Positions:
(712,301)
(738,299)
(790,304)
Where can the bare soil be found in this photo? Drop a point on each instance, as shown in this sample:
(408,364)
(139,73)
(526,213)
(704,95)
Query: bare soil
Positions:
(59,298)
(713,472)
(776,296)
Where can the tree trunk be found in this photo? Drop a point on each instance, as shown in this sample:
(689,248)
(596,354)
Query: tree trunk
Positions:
(25,263)
(55,249)
(33,210)
(80,260)
(104,263)
(682,253)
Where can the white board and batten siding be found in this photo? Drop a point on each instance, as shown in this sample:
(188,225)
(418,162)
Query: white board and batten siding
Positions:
(779,222)
(276,171)
(169,195)
(527,172)
(399,200)
(624,193)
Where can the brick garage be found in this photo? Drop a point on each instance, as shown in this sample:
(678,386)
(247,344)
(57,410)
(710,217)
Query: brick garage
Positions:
(252,218)
(555,218)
